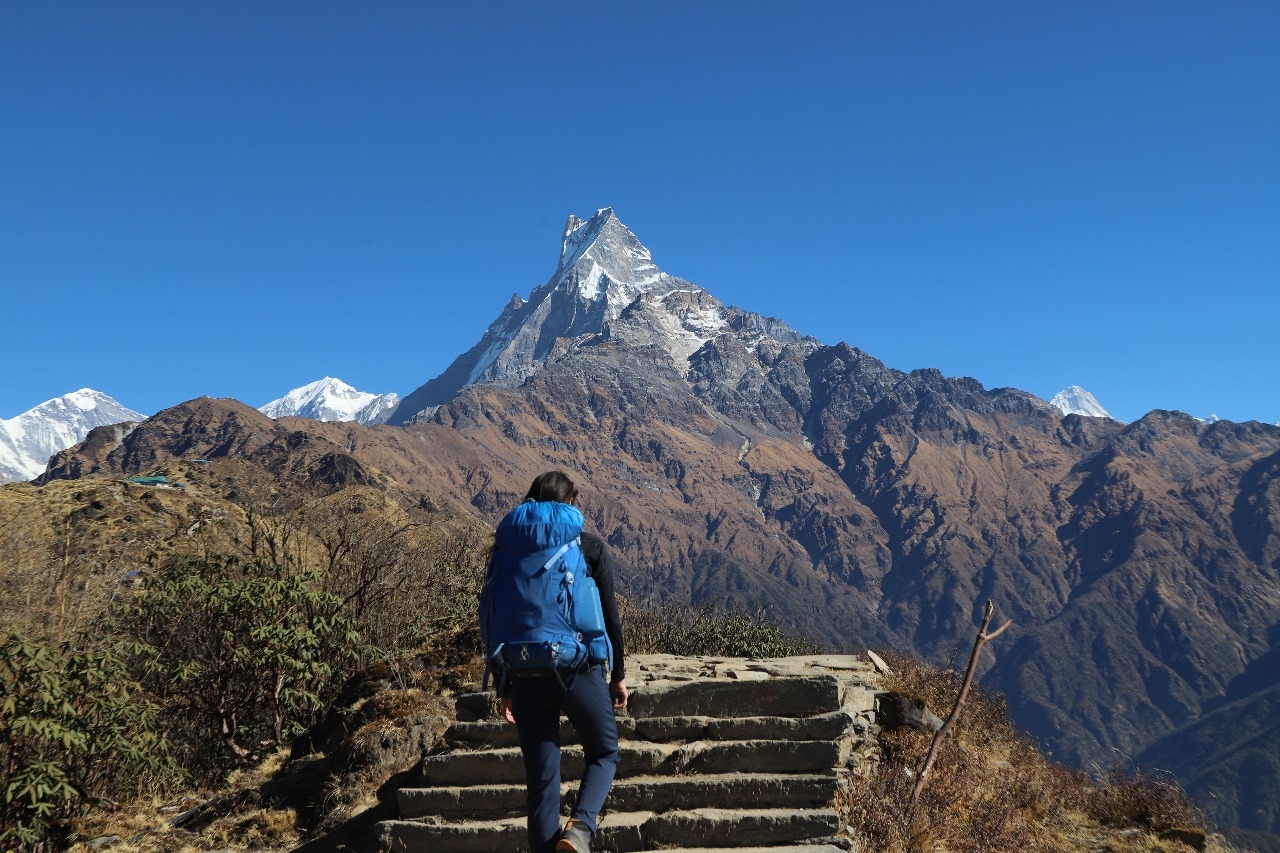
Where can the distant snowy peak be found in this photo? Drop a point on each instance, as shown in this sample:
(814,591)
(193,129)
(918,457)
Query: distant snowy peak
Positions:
(332,399)
(28,440)
(1077,401)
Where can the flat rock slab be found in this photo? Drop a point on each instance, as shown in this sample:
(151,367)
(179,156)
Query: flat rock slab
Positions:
(747,756)
(794,848)
(506,765)
(499,733)
(461,802)
(702,666)
(411,836)
(758,827)
(733,790)
(495,733)
(729,697)
(639,793)
(624,834)
(821,727)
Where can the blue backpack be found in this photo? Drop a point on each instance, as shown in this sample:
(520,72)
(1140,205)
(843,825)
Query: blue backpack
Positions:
(540,613)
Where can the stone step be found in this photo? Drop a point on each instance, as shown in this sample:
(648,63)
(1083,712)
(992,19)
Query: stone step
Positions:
(829,726)
(474,706)
(714,828)
(735,697)
(506,765)
(639,793)
(785,696)
(788,848)
(718,755)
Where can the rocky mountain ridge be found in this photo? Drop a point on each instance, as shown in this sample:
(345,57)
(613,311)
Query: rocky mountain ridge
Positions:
(728,458)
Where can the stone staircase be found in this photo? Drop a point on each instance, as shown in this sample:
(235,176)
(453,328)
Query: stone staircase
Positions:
(723,754)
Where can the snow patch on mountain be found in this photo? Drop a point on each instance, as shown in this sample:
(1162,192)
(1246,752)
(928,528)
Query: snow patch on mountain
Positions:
(28,440)
(1077,401)
(330,399)
(684,330)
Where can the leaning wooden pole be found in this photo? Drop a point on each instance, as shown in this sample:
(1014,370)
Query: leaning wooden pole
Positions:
(978,643)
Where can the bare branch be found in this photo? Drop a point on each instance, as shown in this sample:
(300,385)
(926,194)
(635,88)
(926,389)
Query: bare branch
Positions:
(978,643)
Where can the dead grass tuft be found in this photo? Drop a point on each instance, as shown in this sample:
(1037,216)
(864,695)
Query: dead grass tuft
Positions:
(269,828)
(1143,799)
(260,773)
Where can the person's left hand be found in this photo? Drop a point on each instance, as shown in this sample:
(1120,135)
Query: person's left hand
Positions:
(618,690)
(504,708)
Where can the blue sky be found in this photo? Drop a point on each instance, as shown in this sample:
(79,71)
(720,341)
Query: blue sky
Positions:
(237,198)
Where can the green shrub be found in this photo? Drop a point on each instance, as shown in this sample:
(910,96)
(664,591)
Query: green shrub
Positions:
(242,655)
(75,729)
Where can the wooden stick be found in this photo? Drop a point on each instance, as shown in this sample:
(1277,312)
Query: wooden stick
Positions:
(982,638)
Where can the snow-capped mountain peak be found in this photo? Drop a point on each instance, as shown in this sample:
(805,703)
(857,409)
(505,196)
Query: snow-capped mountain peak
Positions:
(1077,401)
(603,268)
(28,440)
(601,258)
(330,399)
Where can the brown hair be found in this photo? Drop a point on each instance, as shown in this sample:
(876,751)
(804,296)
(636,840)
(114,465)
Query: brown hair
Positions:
(552,486)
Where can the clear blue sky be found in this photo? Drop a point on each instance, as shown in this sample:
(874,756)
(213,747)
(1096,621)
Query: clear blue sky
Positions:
(237,198)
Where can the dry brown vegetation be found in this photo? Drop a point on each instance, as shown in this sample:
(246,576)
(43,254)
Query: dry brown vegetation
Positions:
(992,789)
(75,555)
(406,566)
(68,549)
(678,628)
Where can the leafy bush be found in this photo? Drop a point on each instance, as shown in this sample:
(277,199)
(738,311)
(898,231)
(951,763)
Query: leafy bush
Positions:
(75,729)
(242,655)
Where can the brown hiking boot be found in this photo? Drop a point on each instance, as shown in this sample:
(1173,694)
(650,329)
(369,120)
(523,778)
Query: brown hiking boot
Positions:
(576,838)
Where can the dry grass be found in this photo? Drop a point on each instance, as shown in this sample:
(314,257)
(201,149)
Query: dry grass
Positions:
(260,773)
(667,627)
(68,549)
(232,818)
(992,789)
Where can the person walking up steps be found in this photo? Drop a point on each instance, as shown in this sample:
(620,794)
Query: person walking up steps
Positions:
(555,647)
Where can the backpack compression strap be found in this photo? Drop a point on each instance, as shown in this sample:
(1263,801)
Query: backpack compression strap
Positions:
(563,548)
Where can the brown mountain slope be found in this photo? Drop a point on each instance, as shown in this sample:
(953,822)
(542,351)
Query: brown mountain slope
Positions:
(867,506)
(239,484)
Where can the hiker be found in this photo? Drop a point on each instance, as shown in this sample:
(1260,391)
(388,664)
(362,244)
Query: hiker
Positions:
(587,688)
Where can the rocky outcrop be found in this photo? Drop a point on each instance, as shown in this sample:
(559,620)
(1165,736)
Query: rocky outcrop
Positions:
(716,753)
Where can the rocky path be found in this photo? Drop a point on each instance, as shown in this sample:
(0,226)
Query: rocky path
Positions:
(723,754)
